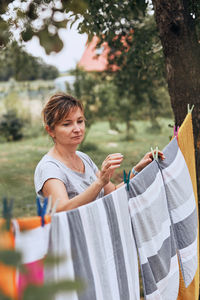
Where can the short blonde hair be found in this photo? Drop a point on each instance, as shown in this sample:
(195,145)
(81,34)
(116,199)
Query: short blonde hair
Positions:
(58,107)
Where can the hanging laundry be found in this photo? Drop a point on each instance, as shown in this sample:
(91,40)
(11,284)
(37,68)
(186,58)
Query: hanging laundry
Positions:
(154,234)
(7,273)
(31,240)
(99,247)
(182,208)
(186,144)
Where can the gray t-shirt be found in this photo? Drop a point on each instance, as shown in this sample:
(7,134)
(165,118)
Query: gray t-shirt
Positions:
(75,182)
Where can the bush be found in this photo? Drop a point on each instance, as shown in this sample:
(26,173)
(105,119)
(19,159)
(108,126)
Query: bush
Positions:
(11,126)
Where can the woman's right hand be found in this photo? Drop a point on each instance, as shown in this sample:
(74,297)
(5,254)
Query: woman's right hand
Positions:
(109,165)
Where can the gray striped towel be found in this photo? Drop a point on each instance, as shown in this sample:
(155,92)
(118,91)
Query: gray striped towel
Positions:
(97,239)
(154,234)
(182,208)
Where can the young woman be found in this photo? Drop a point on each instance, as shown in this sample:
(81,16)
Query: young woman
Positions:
(67,174)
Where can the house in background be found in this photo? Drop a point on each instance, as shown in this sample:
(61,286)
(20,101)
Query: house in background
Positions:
(95,59)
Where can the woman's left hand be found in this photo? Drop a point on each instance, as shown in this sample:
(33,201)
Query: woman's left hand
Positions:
(147,159)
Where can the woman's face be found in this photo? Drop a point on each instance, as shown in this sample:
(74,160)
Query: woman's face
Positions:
(71,130)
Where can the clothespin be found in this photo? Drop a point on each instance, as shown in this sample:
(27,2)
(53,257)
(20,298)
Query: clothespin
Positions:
(127,179)
(49,204)
(41,209)
(176,129)
(7,211)
(54,207)
(190,109)
(51,210)
(155,153)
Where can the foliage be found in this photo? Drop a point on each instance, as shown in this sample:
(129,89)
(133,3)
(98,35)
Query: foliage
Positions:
(19,159)
(106,98)
(17,63)
(11,126)
(38,18)
(84,88)
(13,258)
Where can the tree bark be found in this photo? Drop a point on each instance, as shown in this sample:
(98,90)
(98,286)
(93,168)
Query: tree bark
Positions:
(182,59)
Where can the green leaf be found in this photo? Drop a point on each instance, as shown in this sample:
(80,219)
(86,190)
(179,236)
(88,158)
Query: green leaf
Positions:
(49,42)
(10,257)
(48,290)
(27,34)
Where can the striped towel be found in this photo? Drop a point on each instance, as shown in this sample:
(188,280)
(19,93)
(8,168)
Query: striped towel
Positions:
(182,207)
(98,242)
(31,240)
(153,234)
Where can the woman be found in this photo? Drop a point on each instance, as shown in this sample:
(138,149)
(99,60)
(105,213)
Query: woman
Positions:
(67,174)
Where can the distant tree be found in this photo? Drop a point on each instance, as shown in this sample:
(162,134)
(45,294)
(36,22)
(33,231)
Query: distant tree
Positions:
(11,126)
(84,88)
(17,63)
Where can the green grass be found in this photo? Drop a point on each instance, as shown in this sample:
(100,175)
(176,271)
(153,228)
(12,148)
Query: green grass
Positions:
(19,159)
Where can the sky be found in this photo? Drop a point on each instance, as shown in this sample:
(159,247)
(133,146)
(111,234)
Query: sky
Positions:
(68,57)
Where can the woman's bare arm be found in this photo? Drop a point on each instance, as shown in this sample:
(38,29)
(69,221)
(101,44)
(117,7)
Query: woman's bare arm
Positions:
(57,190)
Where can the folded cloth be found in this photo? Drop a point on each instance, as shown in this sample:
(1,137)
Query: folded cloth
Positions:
(31,240)
(99,247)
(182,208)
(153,233)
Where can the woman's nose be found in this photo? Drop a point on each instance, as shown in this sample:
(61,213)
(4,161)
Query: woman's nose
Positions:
(76,127)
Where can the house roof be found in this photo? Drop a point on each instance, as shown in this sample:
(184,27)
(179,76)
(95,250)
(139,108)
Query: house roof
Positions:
(94,59)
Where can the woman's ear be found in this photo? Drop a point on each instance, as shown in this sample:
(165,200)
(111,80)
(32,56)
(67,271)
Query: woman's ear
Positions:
(50,131)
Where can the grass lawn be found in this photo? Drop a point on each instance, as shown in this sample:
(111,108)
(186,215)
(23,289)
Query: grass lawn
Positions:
(19,159)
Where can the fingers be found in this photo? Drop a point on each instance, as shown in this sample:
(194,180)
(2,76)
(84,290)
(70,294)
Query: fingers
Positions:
(161,154)
(112,163)
(112,159)
(150,155)
(114,156)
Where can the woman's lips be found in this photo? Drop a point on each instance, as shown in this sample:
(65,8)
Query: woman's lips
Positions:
(77,137)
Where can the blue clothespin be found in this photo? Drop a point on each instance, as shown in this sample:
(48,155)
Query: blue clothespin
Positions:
(7,211)
(127,179)
(190,109)
(176,129)
(41,209)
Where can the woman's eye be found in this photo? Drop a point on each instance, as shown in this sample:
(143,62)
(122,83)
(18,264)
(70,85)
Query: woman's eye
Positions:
(66,124)
(80,121)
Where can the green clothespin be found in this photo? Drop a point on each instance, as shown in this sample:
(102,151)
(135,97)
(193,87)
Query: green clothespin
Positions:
(7,211)
(155,153)
(127,179)
(190,109)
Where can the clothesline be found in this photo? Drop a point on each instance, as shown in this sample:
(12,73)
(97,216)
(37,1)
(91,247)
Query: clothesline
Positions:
(156,218)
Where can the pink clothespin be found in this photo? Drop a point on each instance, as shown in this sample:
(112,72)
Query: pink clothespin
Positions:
(176,129)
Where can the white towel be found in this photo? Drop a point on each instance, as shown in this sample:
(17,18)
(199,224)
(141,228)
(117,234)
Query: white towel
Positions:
(182,207)
(153,234)
(98,242)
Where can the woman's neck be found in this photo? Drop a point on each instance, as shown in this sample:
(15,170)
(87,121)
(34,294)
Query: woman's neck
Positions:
(68,157)
(63,152)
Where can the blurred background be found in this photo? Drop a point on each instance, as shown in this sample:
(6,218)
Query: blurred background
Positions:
(121,84)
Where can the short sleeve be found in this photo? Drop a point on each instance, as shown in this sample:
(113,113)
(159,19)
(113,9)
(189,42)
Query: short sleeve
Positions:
(46,171)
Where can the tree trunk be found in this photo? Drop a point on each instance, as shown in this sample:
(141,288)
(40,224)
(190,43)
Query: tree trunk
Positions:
(182,59)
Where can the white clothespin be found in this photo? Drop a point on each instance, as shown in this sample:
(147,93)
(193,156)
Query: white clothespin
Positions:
(49,205)
(190,109)
(54,207)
